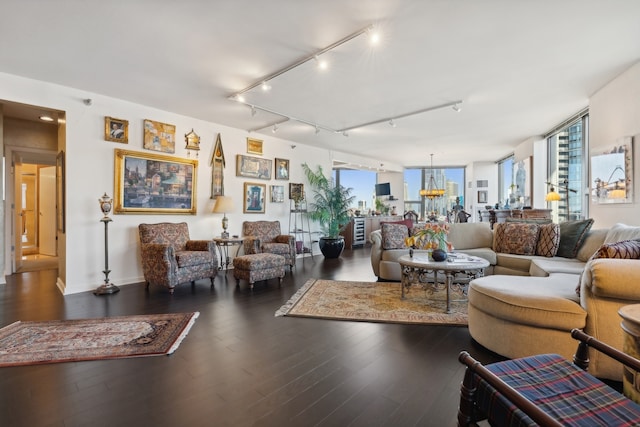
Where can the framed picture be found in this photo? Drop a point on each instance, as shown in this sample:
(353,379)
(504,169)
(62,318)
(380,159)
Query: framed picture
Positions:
(277,193)
(254,197)
(254,146)
(192,140)
(154,183)
(612,173)
(253,167)
(60,192)
(482,197)
(159,136)
(282,169)
(296,192)
(217,169)
(116,130)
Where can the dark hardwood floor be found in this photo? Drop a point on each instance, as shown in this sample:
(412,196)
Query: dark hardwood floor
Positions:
(239,365)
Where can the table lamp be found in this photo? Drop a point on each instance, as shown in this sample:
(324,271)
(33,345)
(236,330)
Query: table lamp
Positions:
(223,205)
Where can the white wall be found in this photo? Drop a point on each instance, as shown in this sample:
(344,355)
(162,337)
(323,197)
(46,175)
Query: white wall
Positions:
(481,171)
(614,112)
(90,173)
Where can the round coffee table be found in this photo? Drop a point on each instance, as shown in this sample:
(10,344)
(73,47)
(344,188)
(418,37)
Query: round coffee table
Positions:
(423,270)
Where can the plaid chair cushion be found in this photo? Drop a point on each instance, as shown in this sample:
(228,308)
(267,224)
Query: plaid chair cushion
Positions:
(567,393)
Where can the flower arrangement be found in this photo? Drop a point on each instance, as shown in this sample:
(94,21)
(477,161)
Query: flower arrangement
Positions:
(432,236)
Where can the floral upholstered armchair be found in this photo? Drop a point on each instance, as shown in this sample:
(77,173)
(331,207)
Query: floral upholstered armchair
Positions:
(266,237)
(169,257)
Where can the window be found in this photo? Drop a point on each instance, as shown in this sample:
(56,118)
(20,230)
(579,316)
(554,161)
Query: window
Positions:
(450,179)
(567,148)
(505,179)
(363,184)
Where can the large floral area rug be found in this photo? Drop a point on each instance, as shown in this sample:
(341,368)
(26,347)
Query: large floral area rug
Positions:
(29,343)
(375,302)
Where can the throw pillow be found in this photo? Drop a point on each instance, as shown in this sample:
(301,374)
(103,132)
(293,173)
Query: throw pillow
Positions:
(393,236)
(516,238)
(530,220)
(621,232)
(549,240)
(626,249)
(572,235)
(406,222)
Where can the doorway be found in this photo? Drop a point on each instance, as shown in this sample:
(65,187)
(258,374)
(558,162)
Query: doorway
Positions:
(35,217)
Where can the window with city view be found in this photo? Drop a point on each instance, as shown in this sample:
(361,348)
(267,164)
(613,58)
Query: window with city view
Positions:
(450,179)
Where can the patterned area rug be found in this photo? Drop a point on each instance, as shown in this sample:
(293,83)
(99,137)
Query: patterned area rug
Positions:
(29,343)
(374,302)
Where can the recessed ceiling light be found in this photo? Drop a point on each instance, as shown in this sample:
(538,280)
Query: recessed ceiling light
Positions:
(46,118)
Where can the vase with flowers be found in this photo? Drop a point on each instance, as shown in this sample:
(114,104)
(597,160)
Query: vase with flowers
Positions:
(433,236)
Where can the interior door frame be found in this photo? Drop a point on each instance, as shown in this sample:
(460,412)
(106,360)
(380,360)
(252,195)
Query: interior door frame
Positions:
(12,156)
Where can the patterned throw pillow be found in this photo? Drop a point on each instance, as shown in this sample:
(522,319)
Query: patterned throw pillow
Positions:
(572,236)
(627,249)
(406,222)
(516,238)
(549,240)
(393,236)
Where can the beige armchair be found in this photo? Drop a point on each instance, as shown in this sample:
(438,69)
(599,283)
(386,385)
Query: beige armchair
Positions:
(169,257)
(266,237)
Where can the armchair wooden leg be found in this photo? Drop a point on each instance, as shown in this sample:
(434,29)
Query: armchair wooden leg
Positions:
(212,282)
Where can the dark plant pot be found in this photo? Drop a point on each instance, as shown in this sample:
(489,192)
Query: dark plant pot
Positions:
(439,255)
(331,247)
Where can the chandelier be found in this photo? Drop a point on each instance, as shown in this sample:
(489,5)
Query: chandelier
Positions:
(432,191)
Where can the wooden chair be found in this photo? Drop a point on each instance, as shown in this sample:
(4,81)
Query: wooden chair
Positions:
(545,390)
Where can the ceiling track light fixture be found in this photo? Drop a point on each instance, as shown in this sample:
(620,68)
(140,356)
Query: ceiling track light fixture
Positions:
(253,111)
(392,123)
(265,86)
(275,128)
(390,120)
(315,56)
(316,126)
(456,108)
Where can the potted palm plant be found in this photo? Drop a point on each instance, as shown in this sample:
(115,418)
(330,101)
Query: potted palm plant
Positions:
(329,206)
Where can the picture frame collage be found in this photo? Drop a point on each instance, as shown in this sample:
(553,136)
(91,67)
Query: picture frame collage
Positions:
(255,194)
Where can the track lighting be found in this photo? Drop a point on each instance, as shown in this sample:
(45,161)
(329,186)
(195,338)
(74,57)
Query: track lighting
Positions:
(345,133)
(317,130)
(392,123)
(456,108)
(253,111)
(322,64)
(275,128)
(265,86)
(374,36)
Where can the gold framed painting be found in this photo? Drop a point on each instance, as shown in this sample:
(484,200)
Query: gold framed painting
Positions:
(253,167)
(159,136)
(116,130)
(254,146)
(254,197)
(147,183)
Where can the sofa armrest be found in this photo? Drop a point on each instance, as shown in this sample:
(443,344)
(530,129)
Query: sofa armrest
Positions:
(291,241)
(158,259)
(201,245)
(376,251)
(252,245)
(612,278)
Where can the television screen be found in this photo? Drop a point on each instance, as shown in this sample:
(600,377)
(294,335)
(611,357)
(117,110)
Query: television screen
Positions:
(383,189)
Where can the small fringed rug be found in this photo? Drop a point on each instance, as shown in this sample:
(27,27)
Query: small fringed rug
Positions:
(54,341)
(375,302)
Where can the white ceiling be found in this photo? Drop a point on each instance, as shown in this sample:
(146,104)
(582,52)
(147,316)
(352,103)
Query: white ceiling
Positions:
(519,66)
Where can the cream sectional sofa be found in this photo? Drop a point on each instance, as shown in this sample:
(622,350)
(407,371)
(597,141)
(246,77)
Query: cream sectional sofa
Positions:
(528,304)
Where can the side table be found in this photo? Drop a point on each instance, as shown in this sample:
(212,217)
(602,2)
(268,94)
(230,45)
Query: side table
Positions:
(223,247)
(631,326)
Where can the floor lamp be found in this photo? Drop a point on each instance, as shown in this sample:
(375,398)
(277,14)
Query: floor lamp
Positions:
(108,287)
(554,196)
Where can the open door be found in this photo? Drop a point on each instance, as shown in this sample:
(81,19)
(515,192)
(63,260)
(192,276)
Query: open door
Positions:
(17,215)
(47,211)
